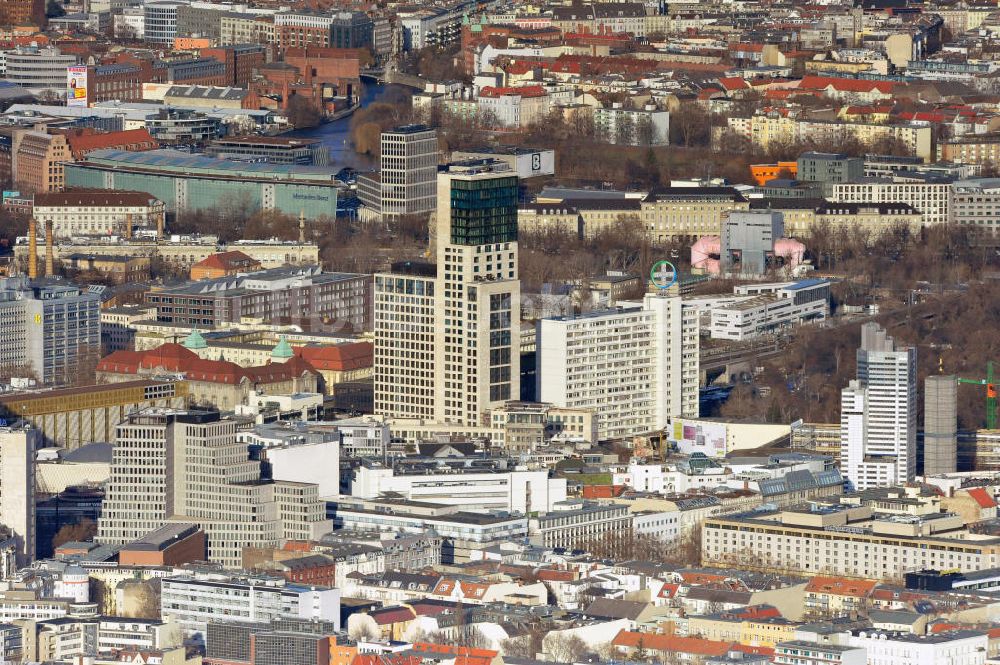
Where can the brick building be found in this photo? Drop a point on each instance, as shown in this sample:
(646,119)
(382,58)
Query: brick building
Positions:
(37,161)
(224,264)
(240,61)
(21,12)
(84,141)
(114,82)
(170,545)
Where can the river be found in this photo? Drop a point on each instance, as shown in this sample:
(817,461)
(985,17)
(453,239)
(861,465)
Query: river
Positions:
(337,135)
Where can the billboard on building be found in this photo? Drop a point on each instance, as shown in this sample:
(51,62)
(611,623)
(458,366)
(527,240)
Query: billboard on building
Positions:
(76,86)
(698,436)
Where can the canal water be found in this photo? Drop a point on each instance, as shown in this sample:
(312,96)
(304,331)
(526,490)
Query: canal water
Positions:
(337,135)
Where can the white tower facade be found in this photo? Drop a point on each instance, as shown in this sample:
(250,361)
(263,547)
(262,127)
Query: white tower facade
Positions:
(878,421)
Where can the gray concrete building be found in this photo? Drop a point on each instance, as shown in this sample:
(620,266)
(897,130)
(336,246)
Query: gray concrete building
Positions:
(52,328)
(406,183)
(940,424)
(748,241)
(829,167)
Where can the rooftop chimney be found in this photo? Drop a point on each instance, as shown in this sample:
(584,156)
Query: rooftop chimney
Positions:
(50,261)
(32,248)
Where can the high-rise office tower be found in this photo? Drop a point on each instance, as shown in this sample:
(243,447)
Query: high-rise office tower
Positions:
(407,180)
(18,443)
(878,418)
(447,338)
(52,328)
(187,466)
(940,424)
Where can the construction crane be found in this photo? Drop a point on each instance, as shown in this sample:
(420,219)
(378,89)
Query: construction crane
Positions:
(991,394)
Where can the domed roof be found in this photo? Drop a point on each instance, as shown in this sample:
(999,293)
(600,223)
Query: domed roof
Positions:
(194,340)
(282,349)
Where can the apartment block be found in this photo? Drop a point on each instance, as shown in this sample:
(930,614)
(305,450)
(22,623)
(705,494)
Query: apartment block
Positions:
(634,367)
(796,652)
(971,149)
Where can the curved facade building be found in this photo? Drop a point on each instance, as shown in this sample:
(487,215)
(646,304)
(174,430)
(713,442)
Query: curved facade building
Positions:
(38,69)
(161,21)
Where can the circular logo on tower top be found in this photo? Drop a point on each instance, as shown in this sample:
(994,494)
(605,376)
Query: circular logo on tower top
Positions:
(663,275)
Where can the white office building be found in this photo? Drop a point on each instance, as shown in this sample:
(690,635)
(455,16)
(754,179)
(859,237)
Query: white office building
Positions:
(956,647)
(160,21)
(976,203)
(622,126)
(762,309)
(634,367)
(447,336)
(878,419)
(17,487)
(932,199)
(51,328)
(193,603)
(407,180)
(183,466)
(38,69)
(511,491)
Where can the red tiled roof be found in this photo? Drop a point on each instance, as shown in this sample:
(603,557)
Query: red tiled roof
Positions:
(385,659)
(654,642)
(840,586)
(757,651)
(602,491)
(129,139)
(700,578)
(177,358)
(549,575)
(844,85)
(733,83)
(982,497)
(93,198)
(521,91)
(463,655)
(226,261)
(669,590)
(339,358)
(390,615)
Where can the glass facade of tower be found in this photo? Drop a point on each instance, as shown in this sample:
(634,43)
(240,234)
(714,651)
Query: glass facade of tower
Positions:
(484,211)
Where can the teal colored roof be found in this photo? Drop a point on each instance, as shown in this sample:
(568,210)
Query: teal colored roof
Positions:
(194,340)
(282,349)
(182,162)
